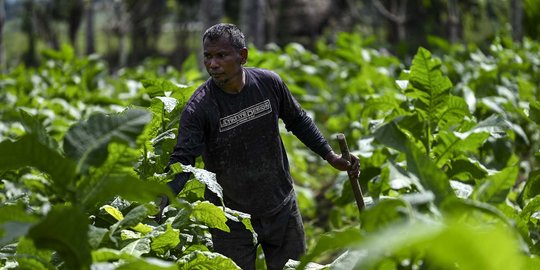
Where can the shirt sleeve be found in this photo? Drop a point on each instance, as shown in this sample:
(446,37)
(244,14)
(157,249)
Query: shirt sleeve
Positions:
(299,123)
(189,145)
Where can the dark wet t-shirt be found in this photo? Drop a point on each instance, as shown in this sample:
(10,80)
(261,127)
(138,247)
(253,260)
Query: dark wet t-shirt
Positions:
(238,137)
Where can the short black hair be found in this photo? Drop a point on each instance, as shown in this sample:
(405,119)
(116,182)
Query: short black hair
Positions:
(221,30)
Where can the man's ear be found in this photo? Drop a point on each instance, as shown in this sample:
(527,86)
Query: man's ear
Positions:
(243,55)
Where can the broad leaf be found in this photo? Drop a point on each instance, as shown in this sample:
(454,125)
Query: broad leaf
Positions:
(138,247)
(33,126)
(332,241)
(210,215)
(116,177)
(30,151)
(15,222)
(430,176)
(428,85)
(534,112)
(29,257)
(532,186)
(455,111)
(65,230)
(496,187)
(205,260)
(390,135)
(466,169)
(147,264)
(204,176)
(158,87)
(434,240)
(473,211)
(87,141)
(96,235)
(384,213)
(166,240)
(131,220)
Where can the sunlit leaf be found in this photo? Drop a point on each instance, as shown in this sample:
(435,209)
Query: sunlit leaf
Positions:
(206,261)
(166,240)
(138,247)
(210,215)
(496,187)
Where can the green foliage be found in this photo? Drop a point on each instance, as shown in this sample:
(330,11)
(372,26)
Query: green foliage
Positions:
(448,149)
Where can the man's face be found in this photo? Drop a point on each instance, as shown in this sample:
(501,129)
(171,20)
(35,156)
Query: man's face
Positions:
(222,61)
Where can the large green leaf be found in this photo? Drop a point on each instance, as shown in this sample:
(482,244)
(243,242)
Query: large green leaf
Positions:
(87,141)
(116,177)
(331,242)
(206,177)
(138,247)
(158,87)
(166,240)
(65,230)
(33,126)
(534,112)
(148,264)
(532,186)
(15,222)
(455,111)
(204,260)
(131,221)
(473,212)
(450,145)
(31,258)
(390,135)
(470,248)
(30,151)
(430,176)
(427,84)
(466,169)
(210,215)
(384,213)
(496,187)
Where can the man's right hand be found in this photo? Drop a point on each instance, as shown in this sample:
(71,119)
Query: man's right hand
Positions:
(164,201)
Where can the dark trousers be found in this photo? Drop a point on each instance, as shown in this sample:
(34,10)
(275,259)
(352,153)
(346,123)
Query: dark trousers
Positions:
(281,237)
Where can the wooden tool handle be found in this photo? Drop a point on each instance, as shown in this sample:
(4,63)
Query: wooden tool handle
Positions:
(359,197)
(343,146)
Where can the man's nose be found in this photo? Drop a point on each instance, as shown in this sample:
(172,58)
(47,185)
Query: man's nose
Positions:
(213,63)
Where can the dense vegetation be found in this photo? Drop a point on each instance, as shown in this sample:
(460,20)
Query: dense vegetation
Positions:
(448,146)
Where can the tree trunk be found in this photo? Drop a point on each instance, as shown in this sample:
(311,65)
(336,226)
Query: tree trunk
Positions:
(252,22)
(2,20)
(28,27)
(89,35)
(272,11)
(119,27)
(453,21)
(74,18)
(187,31)
(517,20)
(397,14)
(41,13)
(144,17)
(211,12)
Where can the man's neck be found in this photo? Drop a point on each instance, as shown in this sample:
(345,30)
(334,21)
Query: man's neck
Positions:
(235,87)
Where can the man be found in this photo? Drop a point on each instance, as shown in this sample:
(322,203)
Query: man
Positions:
(231,120)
